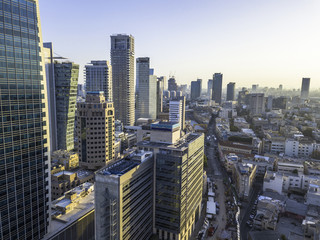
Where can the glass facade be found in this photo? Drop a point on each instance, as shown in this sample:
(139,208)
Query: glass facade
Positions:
(66,84)
(24,162)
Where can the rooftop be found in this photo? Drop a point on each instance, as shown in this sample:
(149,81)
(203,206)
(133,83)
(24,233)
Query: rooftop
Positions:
(124,165)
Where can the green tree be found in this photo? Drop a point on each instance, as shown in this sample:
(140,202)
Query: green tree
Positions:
(307,132)
(205,161)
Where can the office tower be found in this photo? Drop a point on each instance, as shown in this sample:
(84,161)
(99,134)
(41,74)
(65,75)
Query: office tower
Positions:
(178,179)
(305,88)
(160,90)
(122,62)
(24,142)
(196,89)
(242,96)
(231,91)
(165,82)
(173,94)
(269,102)
(98,77)
(217,88)
(172,84)
(280,102)
(177,111)
(256,103)
(209,88)
(51,94)
(146,91)
(280,87)
(255,87)
(95,128)
(81,92)
(124,198)
(66,83)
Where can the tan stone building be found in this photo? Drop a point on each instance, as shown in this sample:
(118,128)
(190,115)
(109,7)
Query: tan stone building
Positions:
(68,159)
(95,131)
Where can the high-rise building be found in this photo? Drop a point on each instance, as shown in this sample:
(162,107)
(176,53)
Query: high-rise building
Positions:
(209,88)
(66,83)
(25,193)
(95,128)
(98,76)
(177,111)
(231,91)
(280,102)
(243,96)
(280,87)
(124,198)
(160,90)
(146,91)
(256,103)
(196,89)
(122,62)
(305,86)
(51,94)
(217,88)
(178,180)
(172,84)
(255,87)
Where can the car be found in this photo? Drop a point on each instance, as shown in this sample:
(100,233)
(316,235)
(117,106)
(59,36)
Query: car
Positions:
(251,216)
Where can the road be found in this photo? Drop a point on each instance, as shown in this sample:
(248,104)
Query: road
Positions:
(246,209)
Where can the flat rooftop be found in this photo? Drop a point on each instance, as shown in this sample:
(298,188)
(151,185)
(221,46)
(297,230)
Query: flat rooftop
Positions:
(84,206)
(124,165)
(181,144)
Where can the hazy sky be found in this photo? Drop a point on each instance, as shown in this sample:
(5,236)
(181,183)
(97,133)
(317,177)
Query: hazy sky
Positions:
(265,42)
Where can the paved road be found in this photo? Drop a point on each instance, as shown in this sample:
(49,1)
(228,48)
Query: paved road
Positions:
(246,209)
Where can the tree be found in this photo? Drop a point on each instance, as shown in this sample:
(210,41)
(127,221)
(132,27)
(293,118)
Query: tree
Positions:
(205,161)
(315,154)
(307,132)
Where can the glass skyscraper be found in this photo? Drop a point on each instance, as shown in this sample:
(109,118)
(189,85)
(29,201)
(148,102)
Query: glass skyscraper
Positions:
(66,84)
(24,142)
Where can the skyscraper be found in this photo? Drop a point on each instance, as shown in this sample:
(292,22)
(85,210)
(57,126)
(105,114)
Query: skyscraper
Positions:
(99,78)
(122,62)
(172,84)
(95,129)
(217,88)
(231,91)
(177,111)
(242,96)
(146,91)
(160,89)
(209,88)
(66,85)
(25,193)
(256,103)
(305,86)
(196,89)
(51,88)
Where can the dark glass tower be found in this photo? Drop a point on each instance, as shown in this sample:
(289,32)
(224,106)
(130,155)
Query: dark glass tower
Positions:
(217,88)
(24,163)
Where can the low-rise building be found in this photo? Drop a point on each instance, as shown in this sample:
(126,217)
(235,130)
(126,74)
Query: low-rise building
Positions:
(273,142)
(71,212)
(313,194)
(64,181)
(244,175)
(289,165)
(267,213)
(299,147)
(240,123)
(284,183)
(69,159)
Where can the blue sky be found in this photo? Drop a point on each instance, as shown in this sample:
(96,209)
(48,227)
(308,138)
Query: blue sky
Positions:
(265,42)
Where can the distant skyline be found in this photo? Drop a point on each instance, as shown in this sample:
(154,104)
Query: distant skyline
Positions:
(250,42)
